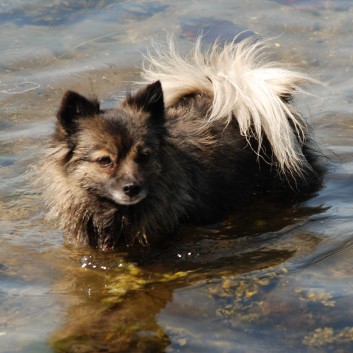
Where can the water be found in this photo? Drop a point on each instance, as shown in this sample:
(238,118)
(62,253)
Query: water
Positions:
(267,279)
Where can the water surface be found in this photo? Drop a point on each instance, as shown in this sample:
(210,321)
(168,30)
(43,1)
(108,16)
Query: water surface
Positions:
(266,279)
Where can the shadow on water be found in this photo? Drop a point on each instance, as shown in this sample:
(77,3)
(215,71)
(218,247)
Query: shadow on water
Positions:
(122,302)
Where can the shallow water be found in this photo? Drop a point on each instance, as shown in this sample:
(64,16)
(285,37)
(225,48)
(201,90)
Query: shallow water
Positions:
(267,279)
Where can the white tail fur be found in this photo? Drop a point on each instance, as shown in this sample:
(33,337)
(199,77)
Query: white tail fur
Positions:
(244,85)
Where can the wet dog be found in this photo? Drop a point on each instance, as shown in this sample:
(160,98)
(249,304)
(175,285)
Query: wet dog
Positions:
(207,134)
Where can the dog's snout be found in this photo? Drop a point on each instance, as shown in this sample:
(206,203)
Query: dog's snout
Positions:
(132,189)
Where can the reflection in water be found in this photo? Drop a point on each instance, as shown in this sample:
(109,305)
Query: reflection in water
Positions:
(68,12)
(213,30)
(124,307)
(118,318)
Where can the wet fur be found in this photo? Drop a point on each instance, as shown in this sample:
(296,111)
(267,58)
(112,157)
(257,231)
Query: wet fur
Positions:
(191,157)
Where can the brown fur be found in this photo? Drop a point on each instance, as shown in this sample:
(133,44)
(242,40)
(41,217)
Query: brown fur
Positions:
(134,173)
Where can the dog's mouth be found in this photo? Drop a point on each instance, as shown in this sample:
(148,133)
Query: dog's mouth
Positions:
(127,199)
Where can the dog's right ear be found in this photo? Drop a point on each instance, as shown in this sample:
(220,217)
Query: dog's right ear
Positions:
(148,99)
(73,107)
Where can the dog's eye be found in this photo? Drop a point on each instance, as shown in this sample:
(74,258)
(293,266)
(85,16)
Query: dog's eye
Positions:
(143,156)
(104,161)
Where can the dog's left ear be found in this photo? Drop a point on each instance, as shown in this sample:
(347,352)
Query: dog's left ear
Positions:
(74,107)
(149,99)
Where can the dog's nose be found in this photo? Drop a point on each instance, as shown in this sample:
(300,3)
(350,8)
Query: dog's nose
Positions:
(131,189)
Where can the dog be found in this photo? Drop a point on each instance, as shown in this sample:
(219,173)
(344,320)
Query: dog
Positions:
(208,133)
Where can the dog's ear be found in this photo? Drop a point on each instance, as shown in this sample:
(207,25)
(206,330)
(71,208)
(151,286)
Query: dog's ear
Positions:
(73,107)
(149,99)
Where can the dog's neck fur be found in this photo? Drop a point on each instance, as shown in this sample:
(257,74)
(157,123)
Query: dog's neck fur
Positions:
(92,220)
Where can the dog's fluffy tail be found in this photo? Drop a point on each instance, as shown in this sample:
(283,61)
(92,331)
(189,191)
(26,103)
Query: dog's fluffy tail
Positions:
(244,85)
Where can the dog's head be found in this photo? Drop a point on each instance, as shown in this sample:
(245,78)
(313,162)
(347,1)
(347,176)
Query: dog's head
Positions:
(112,153)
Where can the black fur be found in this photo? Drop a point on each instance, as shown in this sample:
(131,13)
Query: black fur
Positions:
(182,169)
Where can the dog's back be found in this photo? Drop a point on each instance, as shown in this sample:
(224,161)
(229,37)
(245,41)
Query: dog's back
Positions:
(227,171)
